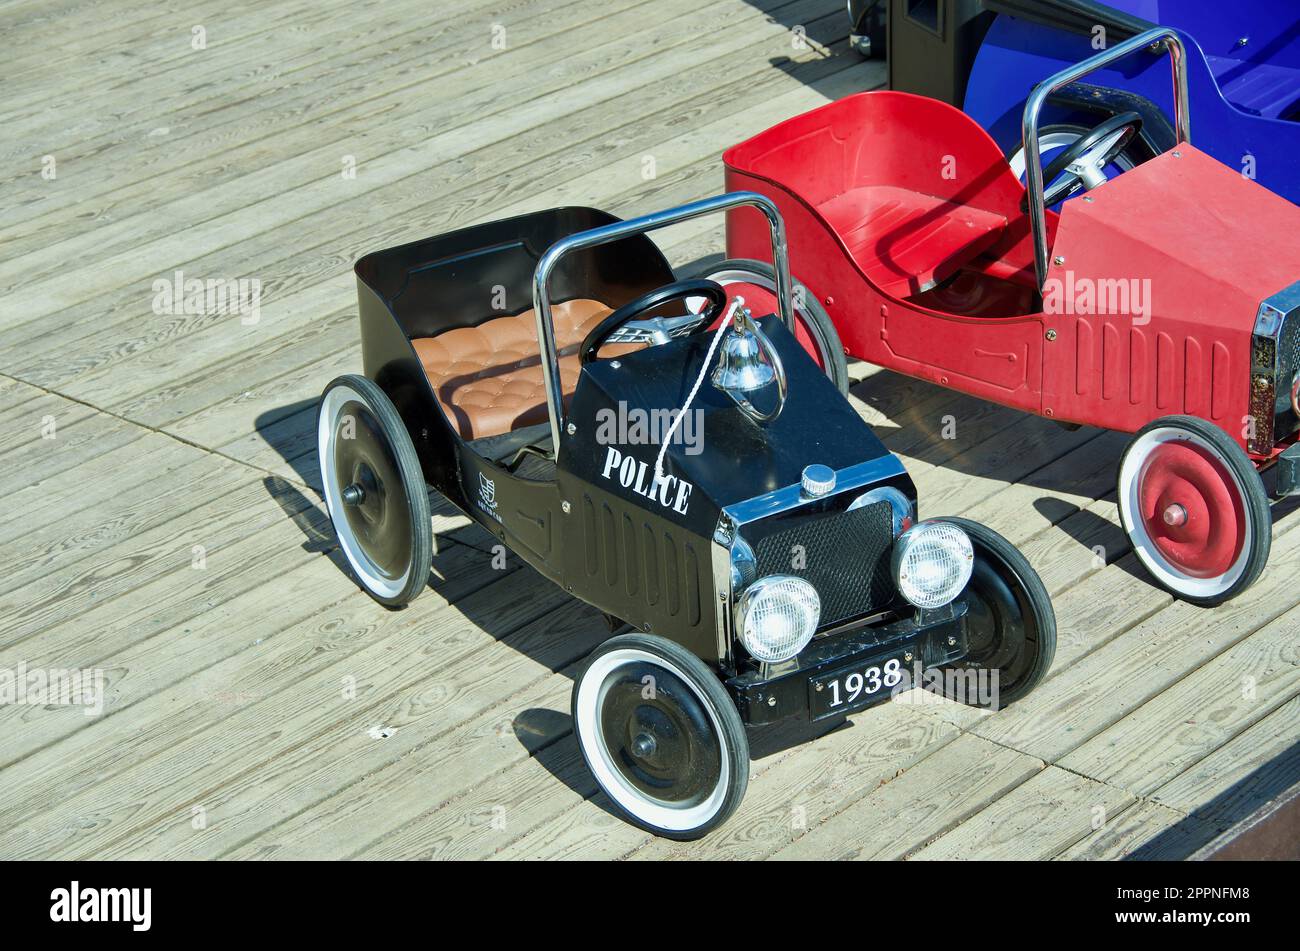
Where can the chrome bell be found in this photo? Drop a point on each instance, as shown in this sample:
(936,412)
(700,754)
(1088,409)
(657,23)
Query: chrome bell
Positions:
(749,363)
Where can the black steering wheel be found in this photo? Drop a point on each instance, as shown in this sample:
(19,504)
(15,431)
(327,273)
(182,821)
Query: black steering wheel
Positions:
(1102,142)
(711,291)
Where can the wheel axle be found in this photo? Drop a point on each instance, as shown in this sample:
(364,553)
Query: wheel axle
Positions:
(354,494)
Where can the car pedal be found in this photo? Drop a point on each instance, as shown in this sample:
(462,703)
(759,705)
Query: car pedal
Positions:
(1288,471)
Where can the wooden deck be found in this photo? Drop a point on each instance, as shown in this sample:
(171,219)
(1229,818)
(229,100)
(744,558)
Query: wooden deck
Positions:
(162,523)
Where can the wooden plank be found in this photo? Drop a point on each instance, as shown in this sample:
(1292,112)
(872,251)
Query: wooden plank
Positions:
(1146,830)
(307,710)
(1036,820)
(77,438)
(69,493)
(1048,496)
(622,65)
(818,780)
(154,356)
(788,792)
(1170,733)
(217,420)
(925,801)
(236,511)
(1145,660)
(134,509)
(34,426)
(427,777)
(181,154)
(229,615)
(224,77)
(189,170)
(1242,774)
(491,816)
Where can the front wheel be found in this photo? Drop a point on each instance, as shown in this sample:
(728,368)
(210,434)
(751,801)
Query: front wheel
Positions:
(1195,509)
(661,736)
(374,490)
(756,282)
(1010,624)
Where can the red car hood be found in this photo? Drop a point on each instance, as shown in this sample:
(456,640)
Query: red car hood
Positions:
(1213,243)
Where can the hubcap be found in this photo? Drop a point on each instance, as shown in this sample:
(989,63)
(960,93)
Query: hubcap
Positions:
(658,735)
(1190,509)
(364,491)
(653,743)
(996,626)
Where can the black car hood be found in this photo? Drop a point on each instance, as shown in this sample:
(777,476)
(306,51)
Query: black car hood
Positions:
(732,458)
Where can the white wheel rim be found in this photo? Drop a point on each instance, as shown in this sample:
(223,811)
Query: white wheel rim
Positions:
(374,580)
(1168,574)
(586,712)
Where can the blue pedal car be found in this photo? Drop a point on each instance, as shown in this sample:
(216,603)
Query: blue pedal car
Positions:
(1243,71)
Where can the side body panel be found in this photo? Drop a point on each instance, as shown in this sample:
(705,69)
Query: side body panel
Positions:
(1160,280)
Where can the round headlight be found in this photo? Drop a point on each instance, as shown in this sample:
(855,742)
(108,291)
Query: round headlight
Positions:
(932,562)
(777,616)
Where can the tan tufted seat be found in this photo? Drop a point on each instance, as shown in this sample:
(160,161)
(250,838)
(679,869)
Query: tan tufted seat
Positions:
(489,378)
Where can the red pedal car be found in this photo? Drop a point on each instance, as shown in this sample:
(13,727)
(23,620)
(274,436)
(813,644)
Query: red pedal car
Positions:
(1164,302)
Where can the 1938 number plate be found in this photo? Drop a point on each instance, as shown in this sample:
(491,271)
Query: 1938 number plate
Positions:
(853,687)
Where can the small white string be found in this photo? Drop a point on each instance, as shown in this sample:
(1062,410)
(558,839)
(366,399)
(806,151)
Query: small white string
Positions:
(708,359)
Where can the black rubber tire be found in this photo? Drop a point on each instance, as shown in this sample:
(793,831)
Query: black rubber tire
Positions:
(1255,502)
(403,456)
(709,690)
(812,314)
(1002,574)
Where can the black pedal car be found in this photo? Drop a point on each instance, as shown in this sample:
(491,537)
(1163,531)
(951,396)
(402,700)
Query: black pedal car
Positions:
(768,566)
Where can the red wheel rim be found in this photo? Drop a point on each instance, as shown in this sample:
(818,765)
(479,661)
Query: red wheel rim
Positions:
(1191,509)
(762,302)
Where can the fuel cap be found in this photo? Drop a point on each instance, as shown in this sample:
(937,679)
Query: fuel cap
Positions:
(817,480)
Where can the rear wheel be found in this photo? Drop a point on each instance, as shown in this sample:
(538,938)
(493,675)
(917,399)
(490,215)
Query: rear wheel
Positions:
(756,282)
(1010,624)
(374,490)
(660,735)
(1195,509)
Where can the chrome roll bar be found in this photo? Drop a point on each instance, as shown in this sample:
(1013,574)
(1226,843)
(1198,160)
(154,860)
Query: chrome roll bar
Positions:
(625,229)
(1034,185)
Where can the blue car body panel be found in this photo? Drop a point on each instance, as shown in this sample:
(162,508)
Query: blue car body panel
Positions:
(1261,77)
